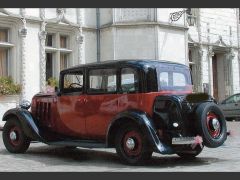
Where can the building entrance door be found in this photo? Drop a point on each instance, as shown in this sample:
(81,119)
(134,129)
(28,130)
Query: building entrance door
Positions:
(215,76)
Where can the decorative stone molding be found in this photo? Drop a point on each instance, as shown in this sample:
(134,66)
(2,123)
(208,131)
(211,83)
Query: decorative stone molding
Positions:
(42,14)
(210,51)
(23,12)
(42,37)
(231,54)
(80,40)
(4,11)
(80,36)
(23,30)
(200,52)
(23,34)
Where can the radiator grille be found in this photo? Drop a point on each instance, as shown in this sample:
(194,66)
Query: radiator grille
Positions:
(43,111)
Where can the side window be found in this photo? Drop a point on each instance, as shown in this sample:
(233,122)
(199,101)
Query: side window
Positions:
(179,79)
(102,81)
(129,80)
(73,82)
(231,100)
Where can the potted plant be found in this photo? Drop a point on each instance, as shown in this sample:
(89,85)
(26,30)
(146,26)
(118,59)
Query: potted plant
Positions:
(9,95)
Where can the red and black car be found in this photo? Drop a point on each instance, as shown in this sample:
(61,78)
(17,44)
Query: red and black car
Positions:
(136,106)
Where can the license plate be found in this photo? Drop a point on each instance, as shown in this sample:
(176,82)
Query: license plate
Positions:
(183,140)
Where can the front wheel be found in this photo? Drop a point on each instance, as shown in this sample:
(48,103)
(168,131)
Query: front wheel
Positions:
(132,145)
(14,138)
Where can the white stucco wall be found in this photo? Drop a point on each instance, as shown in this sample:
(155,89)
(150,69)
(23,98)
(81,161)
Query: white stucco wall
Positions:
(32,60)
(135,43)
(90,46)
(171,45)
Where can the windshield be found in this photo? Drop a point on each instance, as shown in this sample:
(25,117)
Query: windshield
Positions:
(172,77)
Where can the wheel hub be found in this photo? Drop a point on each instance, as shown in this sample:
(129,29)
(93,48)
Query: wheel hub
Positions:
(130,143)
(13,136)
(215,124)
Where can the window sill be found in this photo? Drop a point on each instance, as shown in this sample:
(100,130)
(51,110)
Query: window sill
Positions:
(6,45)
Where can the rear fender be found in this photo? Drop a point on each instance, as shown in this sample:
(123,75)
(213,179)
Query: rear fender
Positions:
(146,125)
(28,124)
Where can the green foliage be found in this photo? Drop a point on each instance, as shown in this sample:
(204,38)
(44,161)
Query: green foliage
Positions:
(52,82)
(8,87)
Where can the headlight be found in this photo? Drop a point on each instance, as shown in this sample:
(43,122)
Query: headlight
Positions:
(25,104)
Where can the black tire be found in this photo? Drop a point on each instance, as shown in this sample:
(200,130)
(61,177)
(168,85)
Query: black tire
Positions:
(205,114)
(21,142)
(142,150)
(70,147)
(190,153)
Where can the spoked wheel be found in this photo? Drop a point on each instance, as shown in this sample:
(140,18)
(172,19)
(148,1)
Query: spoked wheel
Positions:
(211,124)
(190,153)
(132,146)
(14,138)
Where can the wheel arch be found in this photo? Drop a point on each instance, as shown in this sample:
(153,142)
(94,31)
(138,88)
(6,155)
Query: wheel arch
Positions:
(144,122)
(26,120)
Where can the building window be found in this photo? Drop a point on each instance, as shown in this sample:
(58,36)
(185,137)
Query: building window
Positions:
(49,65)
(63,61)
(63,42)
(49,40)
(3,52)
(3,35)
(57,54)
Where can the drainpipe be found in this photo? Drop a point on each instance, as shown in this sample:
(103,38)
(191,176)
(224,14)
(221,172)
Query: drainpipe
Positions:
(98,34)
(237,14)
(200,51)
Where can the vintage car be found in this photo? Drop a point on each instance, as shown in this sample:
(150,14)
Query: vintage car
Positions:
(136,106)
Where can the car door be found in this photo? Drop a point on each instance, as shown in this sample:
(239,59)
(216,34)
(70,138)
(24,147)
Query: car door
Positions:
(231,106)
(102,101)
(71,104)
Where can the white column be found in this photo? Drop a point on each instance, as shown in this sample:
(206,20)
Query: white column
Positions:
(23,34)
(42,37)
(80,37)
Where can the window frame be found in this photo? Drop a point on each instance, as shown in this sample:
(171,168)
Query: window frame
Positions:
(76,71)
(139,80)
(56,50)
(88,92)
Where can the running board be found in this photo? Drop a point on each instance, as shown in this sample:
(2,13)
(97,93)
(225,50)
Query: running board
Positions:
(79,143)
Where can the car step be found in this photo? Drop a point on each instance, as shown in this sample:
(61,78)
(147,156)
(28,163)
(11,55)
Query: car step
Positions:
(79,143)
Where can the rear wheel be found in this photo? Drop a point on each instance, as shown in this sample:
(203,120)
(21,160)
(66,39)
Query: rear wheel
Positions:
(211,124)
(132,145)
(14,138)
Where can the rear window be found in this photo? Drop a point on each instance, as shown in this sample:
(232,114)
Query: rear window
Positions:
(174,78)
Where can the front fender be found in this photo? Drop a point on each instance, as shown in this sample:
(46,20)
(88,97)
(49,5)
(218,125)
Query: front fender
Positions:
(145,123)
(28,124)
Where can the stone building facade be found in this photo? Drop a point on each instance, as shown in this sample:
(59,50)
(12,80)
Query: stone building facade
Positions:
(35,44)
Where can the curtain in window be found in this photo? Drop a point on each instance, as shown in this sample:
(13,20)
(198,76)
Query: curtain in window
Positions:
(3,62)
(3,35)
(63,61)
(63,41)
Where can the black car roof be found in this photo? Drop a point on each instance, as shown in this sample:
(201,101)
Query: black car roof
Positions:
(137,63)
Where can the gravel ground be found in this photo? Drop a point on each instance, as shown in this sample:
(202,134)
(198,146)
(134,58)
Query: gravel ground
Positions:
(41,157)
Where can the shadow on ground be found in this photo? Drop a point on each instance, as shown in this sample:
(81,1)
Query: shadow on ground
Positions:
(53,156)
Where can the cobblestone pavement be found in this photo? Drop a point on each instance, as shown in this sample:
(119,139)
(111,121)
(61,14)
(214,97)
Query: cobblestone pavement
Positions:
(41,157)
